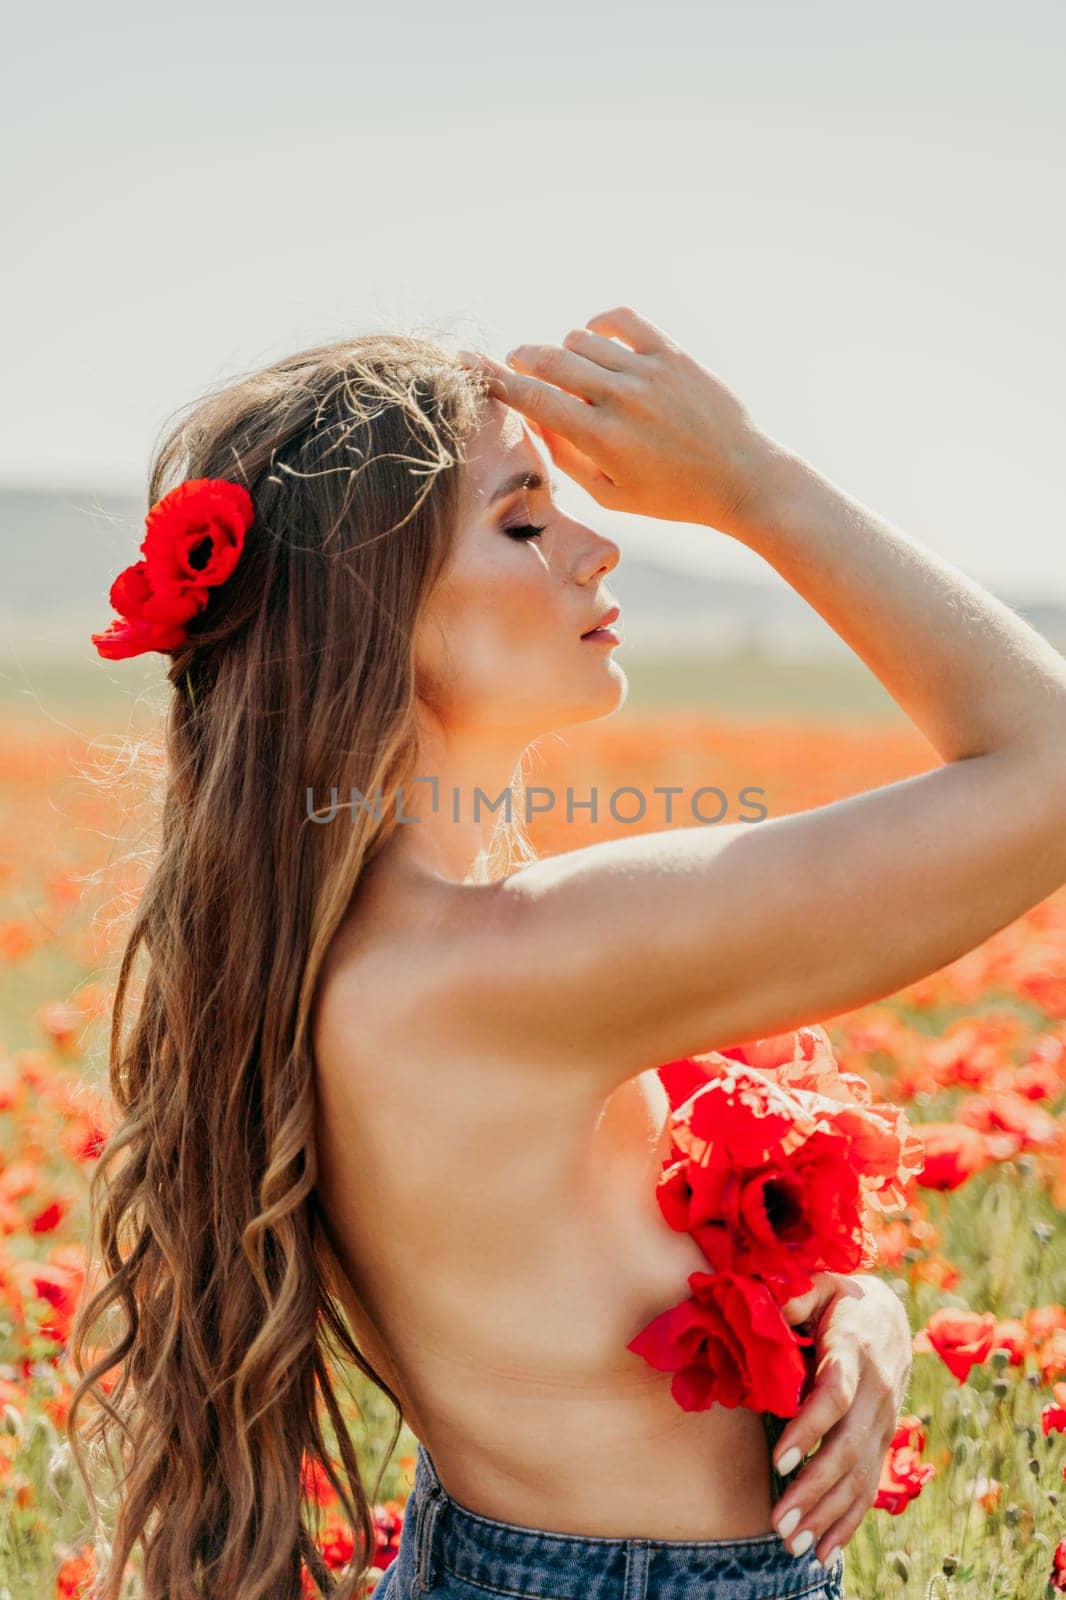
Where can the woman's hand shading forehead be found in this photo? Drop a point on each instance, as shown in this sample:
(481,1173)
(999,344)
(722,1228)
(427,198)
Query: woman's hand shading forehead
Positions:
(645,429)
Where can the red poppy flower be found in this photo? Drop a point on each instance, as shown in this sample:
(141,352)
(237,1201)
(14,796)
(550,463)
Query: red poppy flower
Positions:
(1057,1577)
(1053,1417)
(336,1543)
(1011,1335)
(774,1154)
(903,1477)
(910,1434)
(682,1078)
(1032,1127)
(772,1183)
(388,1531)
(781,1219)
(315,1483)
(148,621)
(195,534)
(962,1339)
(1042,1321)
(728,1345)
(193,540)
(953,1153)
(801,1062)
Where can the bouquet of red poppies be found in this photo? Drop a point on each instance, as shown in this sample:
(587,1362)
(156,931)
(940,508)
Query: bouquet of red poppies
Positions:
(776,1157)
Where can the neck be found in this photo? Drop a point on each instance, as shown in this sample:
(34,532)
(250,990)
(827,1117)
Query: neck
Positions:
(463,795)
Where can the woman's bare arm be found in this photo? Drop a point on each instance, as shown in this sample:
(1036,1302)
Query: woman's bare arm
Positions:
(624,954)
(965,668)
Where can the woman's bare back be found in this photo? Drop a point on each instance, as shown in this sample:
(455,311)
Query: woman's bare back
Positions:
(502,1233)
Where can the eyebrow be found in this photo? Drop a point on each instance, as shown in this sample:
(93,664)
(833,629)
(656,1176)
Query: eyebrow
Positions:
(522,480)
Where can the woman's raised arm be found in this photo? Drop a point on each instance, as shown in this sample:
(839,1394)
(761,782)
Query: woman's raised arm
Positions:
(620,955)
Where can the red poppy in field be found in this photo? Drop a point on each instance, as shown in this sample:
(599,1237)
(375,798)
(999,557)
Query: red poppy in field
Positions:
(1004,1112)
(75,1574)
(315,1484)
(903,1473)
(953,1153)
(336,1543)
(903,1477)
(1039,1080)
(50,1215)
(909,1434)
(1050,1353)
(388,1530)
(1011,1335)
(962,1339)
(1053,1417)
(1057,1577)
(1043,1320)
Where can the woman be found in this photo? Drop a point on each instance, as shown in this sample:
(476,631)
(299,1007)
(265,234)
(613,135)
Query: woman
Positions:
(391,1075)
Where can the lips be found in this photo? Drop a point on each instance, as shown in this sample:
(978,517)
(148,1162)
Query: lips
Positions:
(605,621)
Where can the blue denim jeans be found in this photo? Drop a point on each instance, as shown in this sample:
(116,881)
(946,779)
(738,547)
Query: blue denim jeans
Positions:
(460,1555)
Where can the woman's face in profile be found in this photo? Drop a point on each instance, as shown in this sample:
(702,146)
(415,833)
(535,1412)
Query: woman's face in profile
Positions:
(498,646)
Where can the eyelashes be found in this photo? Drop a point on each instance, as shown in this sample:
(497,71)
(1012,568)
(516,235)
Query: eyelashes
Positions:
(524,530)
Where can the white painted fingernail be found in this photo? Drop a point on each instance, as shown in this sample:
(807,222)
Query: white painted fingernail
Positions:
(789,1521)
(789,1460)
(831,1557)
(802,1542)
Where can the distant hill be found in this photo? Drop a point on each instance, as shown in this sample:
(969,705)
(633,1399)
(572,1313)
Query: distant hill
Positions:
(62,548)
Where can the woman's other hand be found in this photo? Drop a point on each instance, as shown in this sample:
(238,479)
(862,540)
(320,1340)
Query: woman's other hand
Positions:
(862,1368)
(640,425)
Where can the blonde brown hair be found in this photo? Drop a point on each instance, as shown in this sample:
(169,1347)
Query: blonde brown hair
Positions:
(298,678)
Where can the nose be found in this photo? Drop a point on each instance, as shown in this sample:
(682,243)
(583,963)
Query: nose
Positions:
(598,555)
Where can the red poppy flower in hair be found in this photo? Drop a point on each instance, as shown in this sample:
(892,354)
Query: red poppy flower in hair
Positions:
(193,540)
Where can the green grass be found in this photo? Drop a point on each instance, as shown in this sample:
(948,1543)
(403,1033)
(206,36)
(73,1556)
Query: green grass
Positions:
(40,688)
(743,682)
(747,682)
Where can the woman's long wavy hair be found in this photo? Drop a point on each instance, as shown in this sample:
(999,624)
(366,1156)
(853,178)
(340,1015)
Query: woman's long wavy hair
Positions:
(297,678)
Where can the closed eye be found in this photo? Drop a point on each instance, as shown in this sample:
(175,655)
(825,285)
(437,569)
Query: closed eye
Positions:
(524,530)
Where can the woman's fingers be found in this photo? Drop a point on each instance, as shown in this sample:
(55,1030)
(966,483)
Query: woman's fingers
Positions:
(605,352)
(839,1483)
(833,1520)
(637,331)
(544,402)
(574,462)
(833,1461)
(588,379)
(852,1410)
(837,1533)
(836,1381)
(564,424)
(665,437)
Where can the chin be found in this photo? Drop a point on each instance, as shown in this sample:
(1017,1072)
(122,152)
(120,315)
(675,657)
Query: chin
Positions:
(610,696)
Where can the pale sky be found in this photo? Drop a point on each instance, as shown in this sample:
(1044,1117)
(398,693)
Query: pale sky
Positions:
(852,213)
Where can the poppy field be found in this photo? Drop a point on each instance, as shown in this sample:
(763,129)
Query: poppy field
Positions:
(972,1499)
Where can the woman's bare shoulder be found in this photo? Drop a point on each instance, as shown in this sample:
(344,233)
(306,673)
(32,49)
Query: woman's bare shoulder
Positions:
(394,959)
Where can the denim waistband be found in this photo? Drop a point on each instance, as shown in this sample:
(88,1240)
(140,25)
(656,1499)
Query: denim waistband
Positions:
(446,1538)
